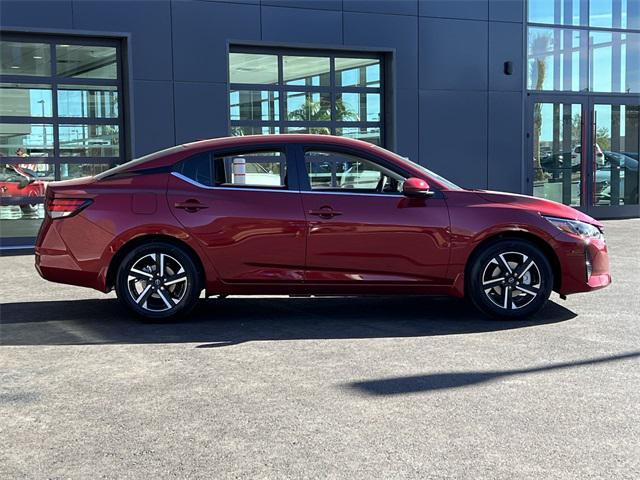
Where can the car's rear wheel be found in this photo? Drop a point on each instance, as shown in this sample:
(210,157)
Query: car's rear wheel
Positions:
(158,281)
(509,279)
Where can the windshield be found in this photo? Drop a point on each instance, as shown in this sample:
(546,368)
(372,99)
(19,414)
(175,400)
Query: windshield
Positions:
(449,184)
(138,161)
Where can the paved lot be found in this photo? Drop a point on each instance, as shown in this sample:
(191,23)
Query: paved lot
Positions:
(321,388)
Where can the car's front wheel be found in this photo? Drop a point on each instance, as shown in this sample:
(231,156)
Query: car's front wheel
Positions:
(509,279)
(158,281)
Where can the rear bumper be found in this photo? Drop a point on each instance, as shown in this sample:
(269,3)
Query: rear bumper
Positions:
(575,276)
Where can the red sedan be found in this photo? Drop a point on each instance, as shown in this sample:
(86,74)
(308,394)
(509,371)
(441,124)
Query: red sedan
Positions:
(309,214)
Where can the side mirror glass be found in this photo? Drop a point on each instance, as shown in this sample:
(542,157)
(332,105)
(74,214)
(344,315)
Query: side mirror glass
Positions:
(416,187)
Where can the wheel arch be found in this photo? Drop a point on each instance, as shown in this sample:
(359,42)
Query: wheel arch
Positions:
(532,238)
(155,237)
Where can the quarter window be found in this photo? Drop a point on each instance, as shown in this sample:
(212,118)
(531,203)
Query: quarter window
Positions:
(332,171)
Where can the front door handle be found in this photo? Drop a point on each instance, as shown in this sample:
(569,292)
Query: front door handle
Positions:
(325,212)
(190,205)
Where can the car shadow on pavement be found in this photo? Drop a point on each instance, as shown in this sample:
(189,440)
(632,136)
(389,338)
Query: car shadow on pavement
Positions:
(443,381)
(223,322)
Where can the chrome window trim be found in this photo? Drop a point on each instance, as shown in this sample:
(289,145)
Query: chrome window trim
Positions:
(386,195)
(242,189)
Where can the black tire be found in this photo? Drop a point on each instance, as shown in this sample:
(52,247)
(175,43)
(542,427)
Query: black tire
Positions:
(509,279)
(170,295)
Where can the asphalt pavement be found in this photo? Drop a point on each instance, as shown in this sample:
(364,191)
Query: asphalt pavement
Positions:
(357,388)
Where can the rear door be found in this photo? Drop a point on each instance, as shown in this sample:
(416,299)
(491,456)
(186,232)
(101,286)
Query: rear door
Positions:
(244,207)
(362,229)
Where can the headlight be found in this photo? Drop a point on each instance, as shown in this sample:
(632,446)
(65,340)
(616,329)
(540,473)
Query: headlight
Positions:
(576,227)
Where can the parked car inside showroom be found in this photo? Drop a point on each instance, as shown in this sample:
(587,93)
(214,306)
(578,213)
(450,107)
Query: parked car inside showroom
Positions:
(165,227)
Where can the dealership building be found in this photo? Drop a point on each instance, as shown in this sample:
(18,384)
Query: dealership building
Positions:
(540,97)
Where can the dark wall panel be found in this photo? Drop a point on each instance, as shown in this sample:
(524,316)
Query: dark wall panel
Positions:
(466,9)
(506,139)
(36,14)
(505,44)
(407,124)
(148,22)
(313,4)
(389,31)
(153,116)
(397,7)
(453,135)
(299,25)
(507,10)
(200,33)
(453,54)
(201,111)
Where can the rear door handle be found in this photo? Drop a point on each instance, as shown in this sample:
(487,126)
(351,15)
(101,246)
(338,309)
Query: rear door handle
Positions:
(190,205)
(325,212)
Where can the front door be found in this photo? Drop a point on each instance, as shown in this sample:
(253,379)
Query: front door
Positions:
(584,152)
(363,231)
(244,210)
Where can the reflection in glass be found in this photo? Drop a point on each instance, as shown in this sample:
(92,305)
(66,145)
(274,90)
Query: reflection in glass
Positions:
(309,71)
(25,100)
(314,130)
(614,13)
(367,134)
(308,106)
(87,101)
(26,140)
(357,72)
(557,153)
(23,58)
(82,61)
(618,136)
(89,141)
(254,105)
(238,131)
(557,59)
(78,170)
(364,107)
(559,12)
(253,68)
(251,169)
(615,62)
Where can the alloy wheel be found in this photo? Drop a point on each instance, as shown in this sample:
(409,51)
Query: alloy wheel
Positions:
(511,280)
(157,282)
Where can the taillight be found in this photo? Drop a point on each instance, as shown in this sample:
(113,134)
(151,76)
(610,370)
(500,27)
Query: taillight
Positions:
(65,207)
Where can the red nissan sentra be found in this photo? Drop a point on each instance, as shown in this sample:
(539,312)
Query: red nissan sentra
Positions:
(309,214)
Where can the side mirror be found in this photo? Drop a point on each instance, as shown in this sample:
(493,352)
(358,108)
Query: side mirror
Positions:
(416,187)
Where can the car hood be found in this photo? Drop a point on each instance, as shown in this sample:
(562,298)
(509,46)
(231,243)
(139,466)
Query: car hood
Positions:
(539,205)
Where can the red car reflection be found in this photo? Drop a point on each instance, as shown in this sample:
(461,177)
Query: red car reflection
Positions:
(16,181)
(309,214)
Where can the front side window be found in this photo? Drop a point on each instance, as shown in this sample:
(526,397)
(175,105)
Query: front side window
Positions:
(334,171)
(265,169)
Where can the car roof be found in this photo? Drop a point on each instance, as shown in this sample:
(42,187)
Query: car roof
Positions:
(225,142)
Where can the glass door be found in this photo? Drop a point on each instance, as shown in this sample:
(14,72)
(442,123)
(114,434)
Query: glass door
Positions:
(600,179)
(557,137)
(614,173)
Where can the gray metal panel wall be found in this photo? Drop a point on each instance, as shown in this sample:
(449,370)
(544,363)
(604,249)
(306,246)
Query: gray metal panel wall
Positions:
(456,110)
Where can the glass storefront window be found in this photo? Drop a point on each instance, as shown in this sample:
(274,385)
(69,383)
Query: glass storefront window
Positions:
(308,106)
(77,170)
(25,58)
(254,105)
(357,72)
(89,140)
(247,130)
(615,62)
(26,140)
(614,14)
(368,134)
(253,68)
(311,71)
(80,61)
(557,59)
(358,107)
(88,101)
(25,100)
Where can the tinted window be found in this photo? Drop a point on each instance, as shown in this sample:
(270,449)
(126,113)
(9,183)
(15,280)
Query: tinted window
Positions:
(244,169)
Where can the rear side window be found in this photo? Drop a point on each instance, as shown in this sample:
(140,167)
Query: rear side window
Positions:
(267,169)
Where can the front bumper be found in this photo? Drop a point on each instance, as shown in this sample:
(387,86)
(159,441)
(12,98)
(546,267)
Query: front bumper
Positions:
(574,255)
